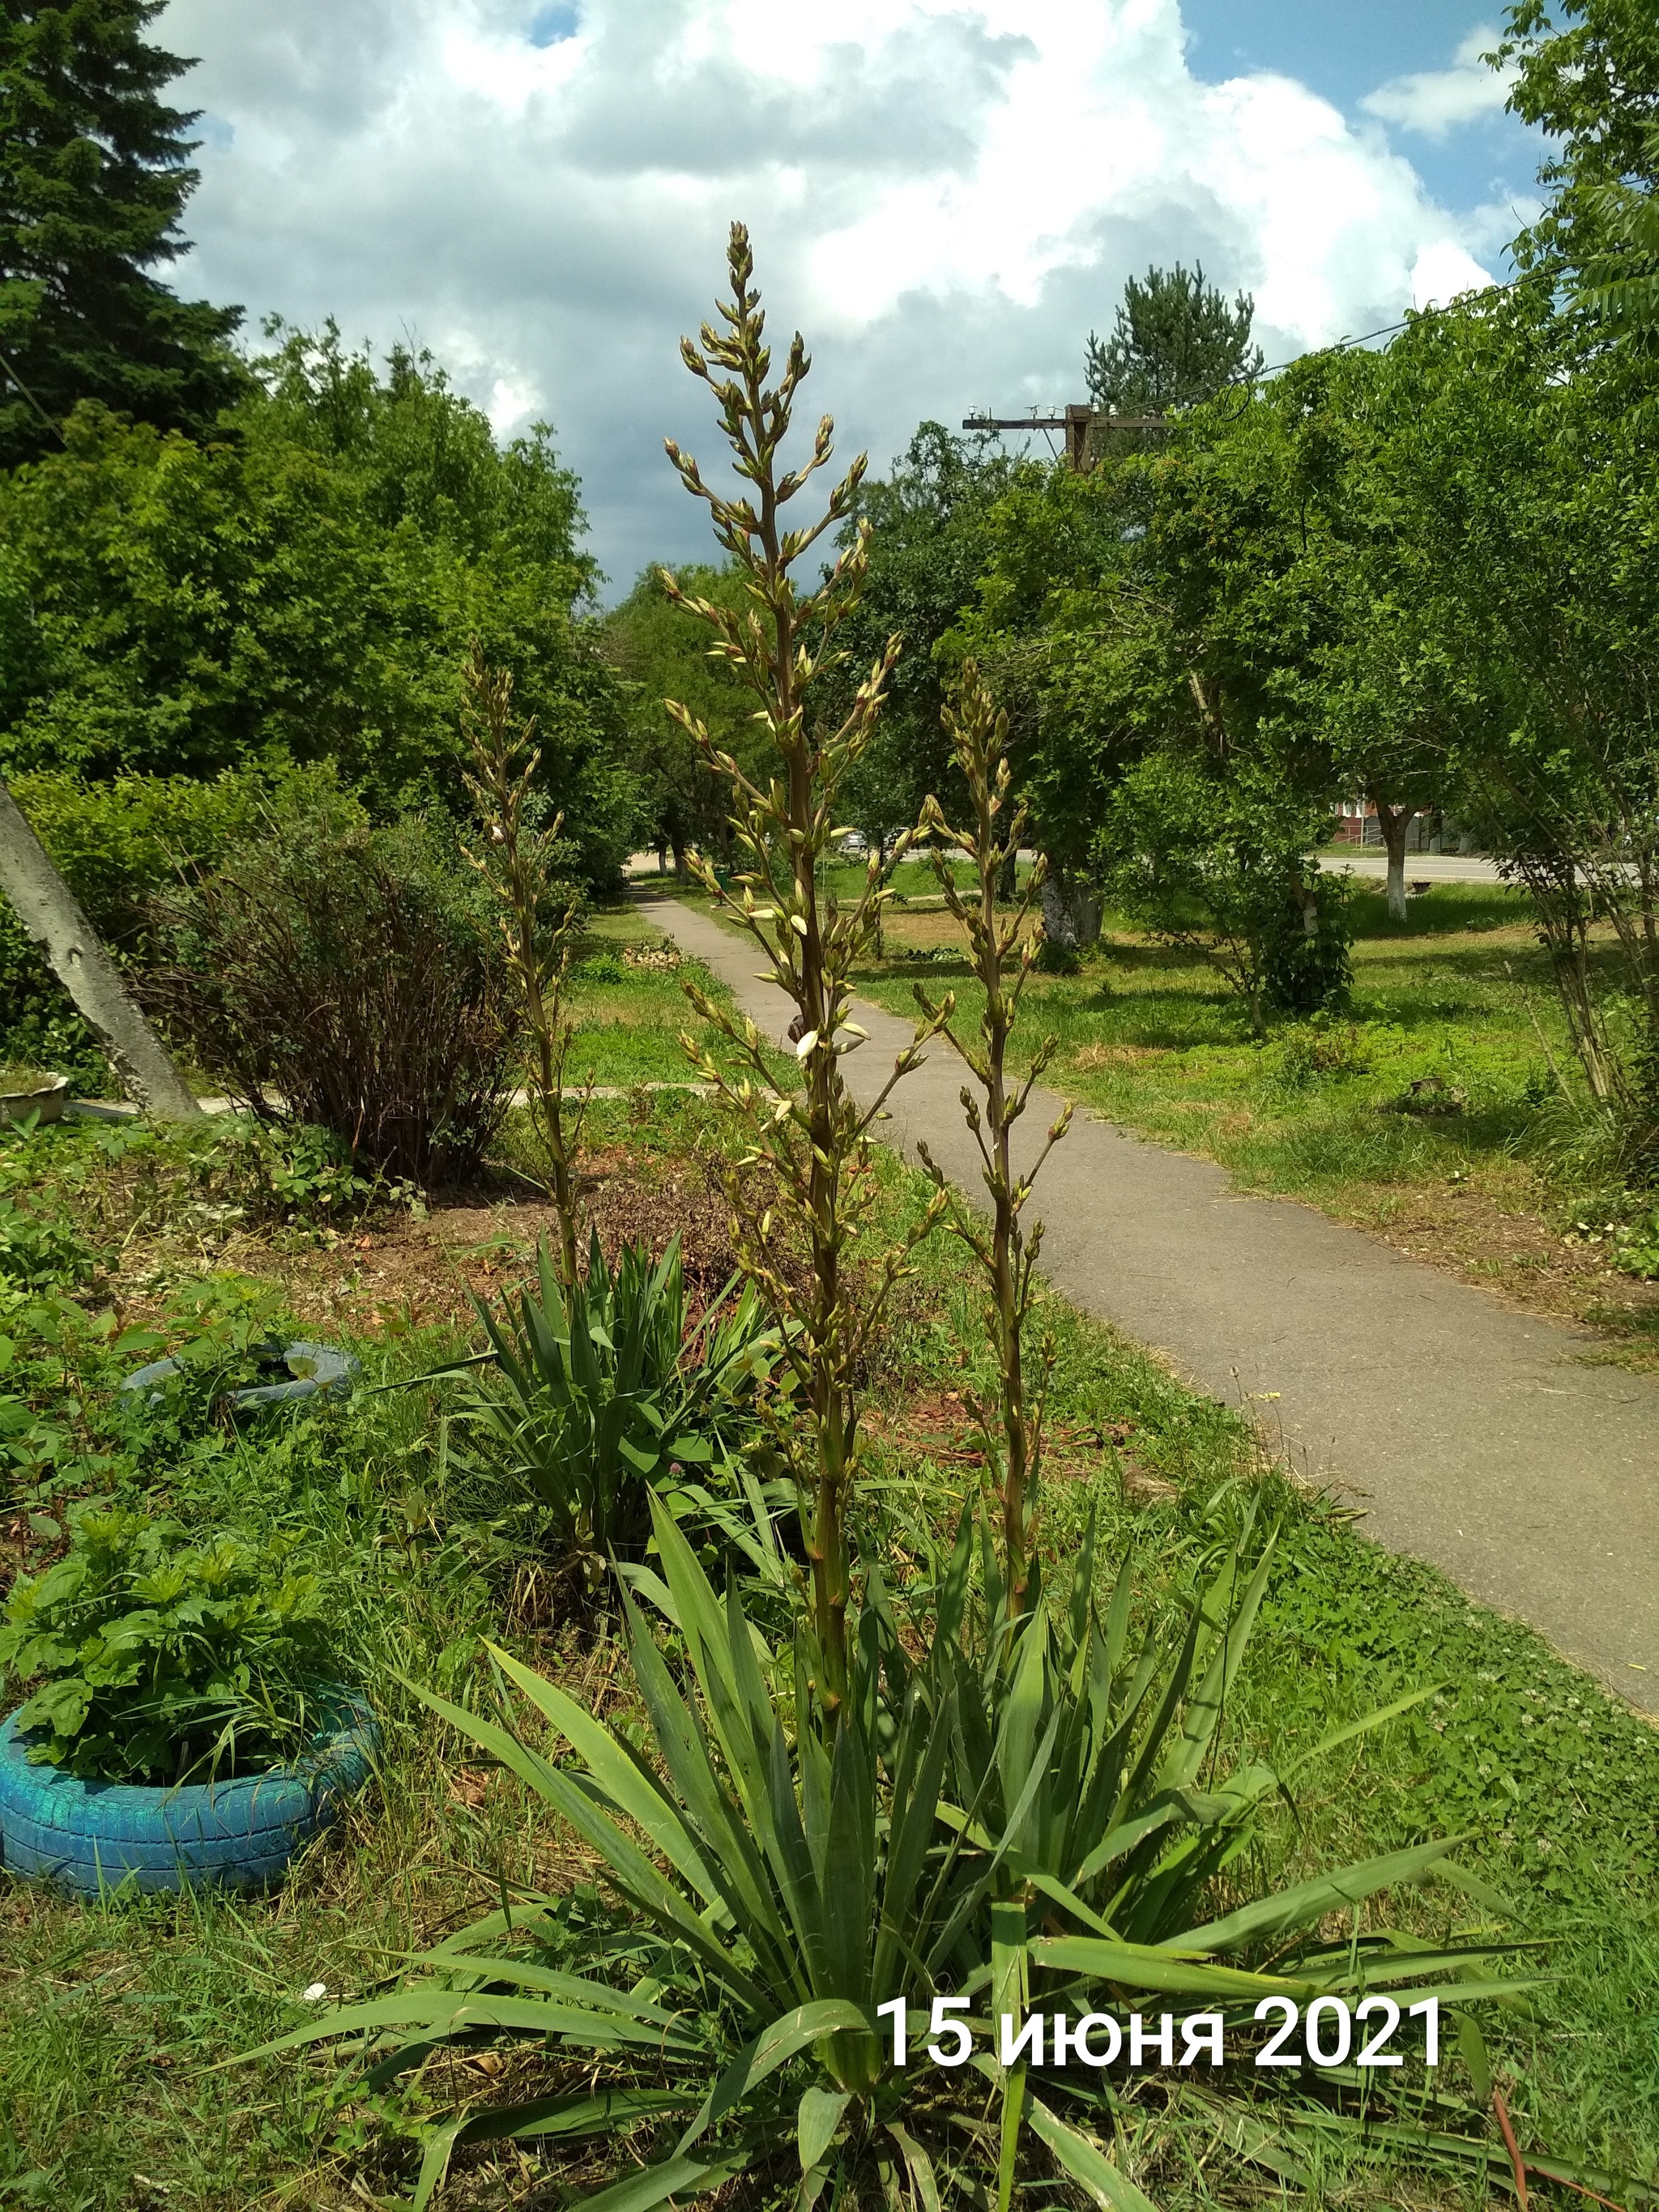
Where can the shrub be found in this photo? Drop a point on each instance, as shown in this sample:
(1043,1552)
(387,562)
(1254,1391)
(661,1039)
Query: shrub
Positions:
(165,1660)
(1319,1047)
(344,977)
(1224,867)
(602,968)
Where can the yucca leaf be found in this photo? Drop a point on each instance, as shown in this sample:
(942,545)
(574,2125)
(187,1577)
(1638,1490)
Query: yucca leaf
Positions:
(735,1867)
(701,1620)
(786,2039)
(1174,1690)
(630,1869)
(1308,1901)
(675,2177)
(1203,1714)
(526,1974)
(1085,2163)
(848,1877)
(914,1824)
(923,2180)
(620,1778)
(1022,1712)
(441,2013)
(969,1903)
(1145,1966)
(818,2117)
(1380,1718)
(1012,2119)
(1171,1805)
(548,2116)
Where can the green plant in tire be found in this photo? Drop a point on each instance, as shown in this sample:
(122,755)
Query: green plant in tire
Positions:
(160,1658)
(598,1393)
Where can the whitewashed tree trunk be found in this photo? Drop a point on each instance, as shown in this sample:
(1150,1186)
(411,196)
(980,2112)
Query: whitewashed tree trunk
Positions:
(1395,821)
(1071,912)
(48,909)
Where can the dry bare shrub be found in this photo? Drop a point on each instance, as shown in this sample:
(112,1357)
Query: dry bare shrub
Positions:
(336,973)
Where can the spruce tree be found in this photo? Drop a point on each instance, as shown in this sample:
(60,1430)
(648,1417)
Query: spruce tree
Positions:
(1176,341)
(94,178)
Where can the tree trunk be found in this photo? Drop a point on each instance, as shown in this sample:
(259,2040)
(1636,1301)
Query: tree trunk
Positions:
(1394,822)
(47,910)
(1071,912)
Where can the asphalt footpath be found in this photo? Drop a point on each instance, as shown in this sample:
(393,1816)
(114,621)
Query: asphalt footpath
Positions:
(1469,1436)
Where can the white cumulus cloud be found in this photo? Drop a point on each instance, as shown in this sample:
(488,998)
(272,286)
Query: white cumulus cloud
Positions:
(1436,101)
(945,198)
(1443,271)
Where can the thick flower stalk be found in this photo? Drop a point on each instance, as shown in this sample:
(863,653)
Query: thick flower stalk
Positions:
(803,1185)
(538,926)
(1012,1429)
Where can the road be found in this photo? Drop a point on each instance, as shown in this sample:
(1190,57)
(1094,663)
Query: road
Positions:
(1420,867)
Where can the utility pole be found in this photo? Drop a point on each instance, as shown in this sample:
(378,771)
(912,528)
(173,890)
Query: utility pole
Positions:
(1077,421)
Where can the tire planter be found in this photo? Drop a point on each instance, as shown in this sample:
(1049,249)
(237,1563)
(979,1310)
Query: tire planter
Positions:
(47,1101)
(333,1374)
(90,1837)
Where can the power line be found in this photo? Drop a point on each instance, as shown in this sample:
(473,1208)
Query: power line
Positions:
(1337,345)
(1345,345)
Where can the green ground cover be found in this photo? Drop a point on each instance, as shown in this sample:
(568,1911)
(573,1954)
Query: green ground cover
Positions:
(1441,1109)
(1456,1001)
(1453,1000)
(628,994)
(115,2020)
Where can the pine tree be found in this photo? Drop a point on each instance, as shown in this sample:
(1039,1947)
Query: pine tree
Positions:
(93,179)
(1176,341)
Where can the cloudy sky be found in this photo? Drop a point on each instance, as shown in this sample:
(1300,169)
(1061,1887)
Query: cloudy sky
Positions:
(945,198)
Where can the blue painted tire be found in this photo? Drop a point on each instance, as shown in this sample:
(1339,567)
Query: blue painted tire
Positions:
(91,1836)
(333,1374)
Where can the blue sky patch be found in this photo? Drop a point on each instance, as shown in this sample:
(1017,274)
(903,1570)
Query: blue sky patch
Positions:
(551,25)
(1347,52)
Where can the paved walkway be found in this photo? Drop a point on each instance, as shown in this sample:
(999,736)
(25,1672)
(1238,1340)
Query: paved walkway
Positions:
(1467,1433)
(1420,867)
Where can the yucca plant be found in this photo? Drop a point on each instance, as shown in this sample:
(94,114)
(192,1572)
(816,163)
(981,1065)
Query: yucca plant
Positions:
(820,1851)
(538,924)
(595,1394)
(779,1890)
(803,1187)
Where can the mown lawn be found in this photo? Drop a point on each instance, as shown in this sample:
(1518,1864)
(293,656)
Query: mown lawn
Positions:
(1432,1113)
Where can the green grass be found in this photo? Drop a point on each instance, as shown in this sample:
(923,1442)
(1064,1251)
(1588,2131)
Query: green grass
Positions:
(1554,1781)
(115,2021)
(1458,998)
